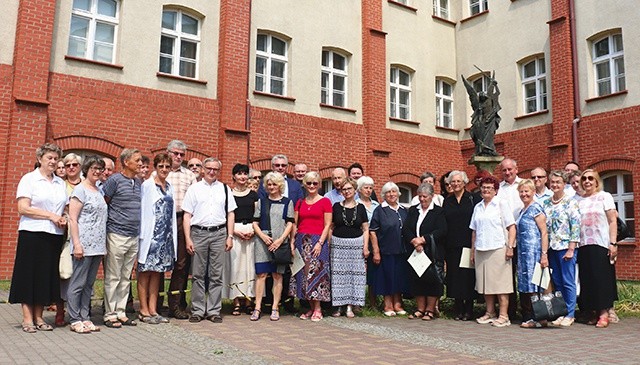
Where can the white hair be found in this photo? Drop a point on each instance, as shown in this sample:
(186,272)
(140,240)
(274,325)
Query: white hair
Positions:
(389,186)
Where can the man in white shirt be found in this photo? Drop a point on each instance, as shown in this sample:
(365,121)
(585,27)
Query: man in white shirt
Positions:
(208,223)
(539,177)
(509,186)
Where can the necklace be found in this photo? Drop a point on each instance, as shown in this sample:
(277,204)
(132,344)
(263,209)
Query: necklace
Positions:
(556,201)
(344,217)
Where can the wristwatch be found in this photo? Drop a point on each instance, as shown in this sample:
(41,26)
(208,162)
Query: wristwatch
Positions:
(230,236)
(613,243)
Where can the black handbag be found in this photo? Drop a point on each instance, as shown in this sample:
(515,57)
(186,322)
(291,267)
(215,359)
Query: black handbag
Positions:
(282,255)
(436,265)
(548,306)
(623,231)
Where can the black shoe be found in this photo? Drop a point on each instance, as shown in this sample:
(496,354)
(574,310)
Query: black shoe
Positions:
(289,307)
(179,314)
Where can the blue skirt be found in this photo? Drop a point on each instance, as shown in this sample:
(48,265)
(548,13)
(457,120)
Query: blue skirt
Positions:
(391,275)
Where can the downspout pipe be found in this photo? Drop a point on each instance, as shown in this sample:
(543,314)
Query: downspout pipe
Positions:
(576,86)
(247,114)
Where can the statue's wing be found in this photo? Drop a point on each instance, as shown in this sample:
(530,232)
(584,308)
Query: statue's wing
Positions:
(473,95)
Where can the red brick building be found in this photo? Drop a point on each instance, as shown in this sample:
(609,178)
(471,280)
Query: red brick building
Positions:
(242,80)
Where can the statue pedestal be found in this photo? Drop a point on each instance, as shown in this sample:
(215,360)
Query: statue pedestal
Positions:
(488,163)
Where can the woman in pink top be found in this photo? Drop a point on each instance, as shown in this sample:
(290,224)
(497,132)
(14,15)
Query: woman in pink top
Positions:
(313,216)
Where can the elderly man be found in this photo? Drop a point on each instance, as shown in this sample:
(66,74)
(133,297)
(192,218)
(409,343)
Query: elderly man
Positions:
(180,179)
(195,165)
(299,170)
(122,194)
(109,168)
(208,223)
(338,177)
(569,168)
(539,177)
(292,188)
(509,185)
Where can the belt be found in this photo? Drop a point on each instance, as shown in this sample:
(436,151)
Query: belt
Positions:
(245,221)
(210,229)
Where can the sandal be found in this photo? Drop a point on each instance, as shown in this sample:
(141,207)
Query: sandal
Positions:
(275,315)
(236,310)
(148,319)
(79,327)
(603,322)
(160,318)
(306,315)
(92,327)
(350,313)
(487,318)
(416,315)
(43,326)
(502,321)
(215,318)
(113,324)
(127,322)
(255,315)
(29,328)
(428,316)
(194,318)
(317,316)
(248,309)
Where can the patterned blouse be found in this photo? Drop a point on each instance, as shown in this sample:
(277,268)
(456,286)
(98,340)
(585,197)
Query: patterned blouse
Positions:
(563,222)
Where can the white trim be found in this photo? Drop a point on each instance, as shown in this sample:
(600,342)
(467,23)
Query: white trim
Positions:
(397,89)
(622,196)
(615,81)
(478,6)
(178,37)
(329,91)
(271,58)
(443,99)
(441,8)
(90,41)
(539,82)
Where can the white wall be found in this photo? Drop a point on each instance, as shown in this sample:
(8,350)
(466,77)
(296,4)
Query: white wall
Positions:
(8,18)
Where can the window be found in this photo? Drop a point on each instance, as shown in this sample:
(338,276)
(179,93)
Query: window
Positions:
(620,186)
(400,94)
(534,86)
(271,64)
(93,30)
(179,44)
(327,185)
(481,84)
(478,6)
(334,79)
(405,195)
(608,63)
(441,8)
(444,104)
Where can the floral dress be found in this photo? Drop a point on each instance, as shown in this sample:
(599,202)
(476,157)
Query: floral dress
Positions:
(161,255)
(529,242)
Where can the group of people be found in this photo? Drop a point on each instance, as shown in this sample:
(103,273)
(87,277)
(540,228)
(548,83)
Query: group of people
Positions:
(233,238)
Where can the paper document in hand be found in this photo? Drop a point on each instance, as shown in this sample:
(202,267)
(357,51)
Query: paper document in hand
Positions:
(419,262)
(465,258)
(298,262)
(540,274)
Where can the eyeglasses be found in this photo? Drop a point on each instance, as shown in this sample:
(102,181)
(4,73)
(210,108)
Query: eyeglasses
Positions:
(98,169)
(347,189)
(487,188)
(72,164)
(312,183)
(279,165)
(585,178)
(538,177)
(195,165)
(181,154)
(163,166)
(209,169)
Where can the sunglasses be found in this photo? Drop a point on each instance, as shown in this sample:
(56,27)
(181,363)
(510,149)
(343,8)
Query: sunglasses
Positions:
(195,165)
(585,178)
(279,165)
(73,164)
(178,153)
(538,177)
(312,183)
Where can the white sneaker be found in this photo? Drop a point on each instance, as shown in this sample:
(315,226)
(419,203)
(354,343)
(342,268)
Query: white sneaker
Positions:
(567,321)
(557,322)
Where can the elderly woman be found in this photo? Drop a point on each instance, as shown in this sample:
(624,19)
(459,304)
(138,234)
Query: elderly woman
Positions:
(349,248)
(158,238)
(389,252)
(88,231)
(493,239)
(313,216)
(533,245)
(426,222)
(240,268)
(574,180)
(428,177)
(272,222)
(35,281)
(365,191)
(458,209)
(563,225)
(60,170)
(598,248)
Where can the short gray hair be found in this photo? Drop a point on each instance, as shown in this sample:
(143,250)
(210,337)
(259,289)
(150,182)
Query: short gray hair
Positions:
(90,161)
(279,157)
(390,185)
(177,144)
(425,188)
(212,159)
(453,173)
(72,156)
(46,148)
(559,173)
(127,153)
(363,181)
(427,174)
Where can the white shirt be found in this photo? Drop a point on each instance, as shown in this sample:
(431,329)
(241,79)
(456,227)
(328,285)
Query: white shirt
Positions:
(50,196)
(540,198)
(421,216)
(437,200)
(509,192)
(568,190)
(206,203)
(490,223)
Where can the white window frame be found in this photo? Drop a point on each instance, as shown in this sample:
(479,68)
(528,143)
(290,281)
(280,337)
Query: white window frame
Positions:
(478,6)
(333,72)
(441,8)
(406,195)
(178,37)
(616,78)
(95,18)
(484,83)
(269,57)
(395,90)
(441,100)
(621,197)
(539,80)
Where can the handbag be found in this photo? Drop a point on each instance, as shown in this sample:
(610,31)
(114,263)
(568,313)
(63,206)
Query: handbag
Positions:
(548,306)
(623,231)
(282,254)
(437,266)
(65,266)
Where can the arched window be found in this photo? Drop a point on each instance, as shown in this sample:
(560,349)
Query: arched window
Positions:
(608,64)
(271,64)
(334,79)
(92,34)
(400,94)
(620,186)
(179,44)
(444,104)
(534,85)
(406,194)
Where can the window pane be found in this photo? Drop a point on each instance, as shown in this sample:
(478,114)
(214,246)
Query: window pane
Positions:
(617,43)
(602,47)
(531,106)
(478,85)
(611,184)
(277,69)
(278,47)
(628,210)
(107,7)
(82,4)
(404,112)
(169,20)
(338,83)
(277,87)
(604,87)
(404,97)
(166,45)
(325,79)
(188,49)
(189,25)
(338,62)
(79,27)
(165,64)
(530,69)
(602,71)
(338,99)
(541,66)
(77,47)
(530,90)
(404,78)
(627,183)
(259,83)
(324,96)
(325,58)
(103,52)
(262,43)
(187,69)
(261,66)
(393,75)
(446,89)
(105,33)
(447,107)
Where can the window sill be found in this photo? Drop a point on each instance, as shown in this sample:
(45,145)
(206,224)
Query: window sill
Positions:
(630,243)
(412,122)
(405,6)
(329,106)
(475,16)
(181,78)
(623,92)
(28,100)
(541,112)
(99,63)
(276,96)
(443,20)
(446,129)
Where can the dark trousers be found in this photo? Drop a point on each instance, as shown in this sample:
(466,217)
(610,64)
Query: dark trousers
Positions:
(513,297)
(180,273)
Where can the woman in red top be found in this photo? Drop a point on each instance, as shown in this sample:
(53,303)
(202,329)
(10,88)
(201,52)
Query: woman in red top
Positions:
(313,217)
